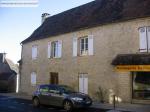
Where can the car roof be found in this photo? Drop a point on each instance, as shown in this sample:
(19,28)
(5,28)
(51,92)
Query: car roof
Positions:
(51,85)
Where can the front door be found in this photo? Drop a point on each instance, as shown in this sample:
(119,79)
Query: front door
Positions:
(83,83)
(53,78)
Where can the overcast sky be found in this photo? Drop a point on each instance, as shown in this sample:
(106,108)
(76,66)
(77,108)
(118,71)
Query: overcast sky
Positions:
(17,24)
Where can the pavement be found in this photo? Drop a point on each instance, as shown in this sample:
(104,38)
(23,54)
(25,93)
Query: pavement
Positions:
(122,107)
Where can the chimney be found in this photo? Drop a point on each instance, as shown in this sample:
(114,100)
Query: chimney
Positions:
(44,16)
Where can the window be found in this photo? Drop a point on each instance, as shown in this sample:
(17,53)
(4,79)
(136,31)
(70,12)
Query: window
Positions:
(44,89)
(141,85)
(34,52)
(33,78)
(83,46)
(55,49)
(144,33)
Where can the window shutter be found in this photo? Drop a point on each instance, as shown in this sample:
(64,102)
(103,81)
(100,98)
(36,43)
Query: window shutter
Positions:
(59,48)
(90,44)
(33,78)
(34,52)
(49,50)
(143,39)
(75,43)
(148,35)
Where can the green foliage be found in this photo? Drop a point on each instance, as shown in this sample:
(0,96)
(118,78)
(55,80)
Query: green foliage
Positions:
(101,94)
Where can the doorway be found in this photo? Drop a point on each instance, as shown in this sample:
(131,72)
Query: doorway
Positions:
(53,78)
(83,83)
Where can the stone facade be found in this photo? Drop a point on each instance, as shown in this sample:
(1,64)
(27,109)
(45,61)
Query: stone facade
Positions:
(109,40)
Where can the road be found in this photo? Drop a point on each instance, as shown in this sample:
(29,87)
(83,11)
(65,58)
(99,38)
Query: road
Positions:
(10,104)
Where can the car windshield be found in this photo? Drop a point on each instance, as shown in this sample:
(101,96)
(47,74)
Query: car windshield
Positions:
(67,89)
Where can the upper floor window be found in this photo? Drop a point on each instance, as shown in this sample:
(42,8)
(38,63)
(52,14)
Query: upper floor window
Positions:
(55,49)
(144,33)
(83,46)
(34,52)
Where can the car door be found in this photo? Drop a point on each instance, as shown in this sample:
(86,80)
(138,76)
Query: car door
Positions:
(44,95)
(56,96)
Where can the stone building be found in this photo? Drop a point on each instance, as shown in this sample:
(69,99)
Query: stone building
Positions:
(104,43)
(8,74)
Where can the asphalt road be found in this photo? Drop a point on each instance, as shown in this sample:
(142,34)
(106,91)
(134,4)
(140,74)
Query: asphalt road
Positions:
(10,104)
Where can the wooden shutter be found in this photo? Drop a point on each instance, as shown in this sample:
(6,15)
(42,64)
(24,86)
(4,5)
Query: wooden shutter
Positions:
(75,44)
(148,35)
(143,39)
(59,48)
(49,50)
(90,44)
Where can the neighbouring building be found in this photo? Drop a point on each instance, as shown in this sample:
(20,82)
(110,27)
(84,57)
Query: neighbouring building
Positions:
(104,43)
(8,74)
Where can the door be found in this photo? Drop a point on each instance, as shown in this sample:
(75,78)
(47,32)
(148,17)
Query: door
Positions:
(44,95)
(56,97)
(83,83)
(53,78)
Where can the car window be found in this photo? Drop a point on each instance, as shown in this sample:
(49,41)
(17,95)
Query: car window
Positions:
(67,89)
(54,89)
(44,89)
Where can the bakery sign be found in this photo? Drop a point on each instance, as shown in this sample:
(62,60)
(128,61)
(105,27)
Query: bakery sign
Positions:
(130,68)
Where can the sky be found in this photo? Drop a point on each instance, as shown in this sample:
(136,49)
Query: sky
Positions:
(18,23)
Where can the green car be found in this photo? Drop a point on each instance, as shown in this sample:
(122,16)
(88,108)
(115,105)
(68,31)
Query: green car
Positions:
(60,96)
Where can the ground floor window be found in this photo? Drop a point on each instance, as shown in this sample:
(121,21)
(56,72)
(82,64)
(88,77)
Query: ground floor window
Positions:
(141,85)
(53,78)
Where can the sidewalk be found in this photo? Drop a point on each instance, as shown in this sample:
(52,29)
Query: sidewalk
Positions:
(124,107)
(119,107)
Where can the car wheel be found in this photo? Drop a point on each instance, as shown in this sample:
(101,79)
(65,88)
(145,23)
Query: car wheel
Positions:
(36,102)
(67,105)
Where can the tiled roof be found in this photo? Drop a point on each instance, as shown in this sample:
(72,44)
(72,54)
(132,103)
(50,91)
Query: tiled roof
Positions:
(6,70)
(92,14)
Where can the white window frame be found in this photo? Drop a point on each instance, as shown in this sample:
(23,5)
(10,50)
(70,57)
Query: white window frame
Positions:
(55,49)
(34,52)
(85,45)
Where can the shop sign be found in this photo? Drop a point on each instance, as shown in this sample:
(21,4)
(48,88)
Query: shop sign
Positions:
(134,68)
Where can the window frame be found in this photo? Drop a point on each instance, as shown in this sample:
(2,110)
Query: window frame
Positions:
(83,51)
(54,49)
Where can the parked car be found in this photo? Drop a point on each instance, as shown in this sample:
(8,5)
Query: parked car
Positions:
(60,95)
